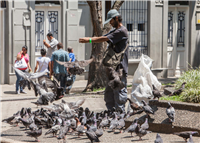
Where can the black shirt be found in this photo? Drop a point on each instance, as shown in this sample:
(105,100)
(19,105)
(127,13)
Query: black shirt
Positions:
(119,38)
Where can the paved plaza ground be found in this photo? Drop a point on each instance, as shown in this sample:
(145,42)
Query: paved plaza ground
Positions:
(11,103)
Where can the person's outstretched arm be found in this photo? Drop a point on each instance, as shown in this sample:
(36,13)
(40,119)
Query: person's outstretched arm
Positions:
(93,39)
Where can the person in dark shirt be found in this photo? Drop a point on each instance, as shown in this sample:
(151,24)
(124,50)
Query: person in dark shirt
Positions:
(117,39)
(72,77)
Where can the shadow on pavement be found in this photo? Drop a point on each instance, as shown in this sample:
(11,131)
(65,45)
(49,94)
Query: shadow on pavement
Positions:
(10,92)
(4,135)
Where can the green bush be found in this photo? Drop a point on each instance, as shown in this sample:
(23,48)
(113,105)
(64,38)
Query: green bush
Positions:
(191,92)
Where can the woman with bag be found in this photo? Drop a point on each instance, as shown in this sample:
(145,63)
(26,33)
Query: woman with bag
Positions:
(22,63)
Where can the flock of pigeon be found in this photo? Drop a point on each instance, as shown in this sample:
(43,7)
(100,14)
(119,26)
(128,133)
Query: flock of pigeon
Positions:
(70,118)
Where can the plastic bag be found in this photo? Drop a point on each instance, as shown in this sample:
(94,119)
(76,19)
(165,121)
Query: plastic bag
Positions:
(21,64)
(142,81)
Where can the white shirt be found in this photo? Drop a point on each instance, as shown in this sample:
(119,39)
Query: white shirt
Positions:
(43,63)
(53,43)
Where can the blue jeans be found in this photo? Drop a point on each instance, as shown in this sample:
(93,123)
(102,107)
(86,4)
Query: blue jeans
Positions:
(61,77)
(73,79)
(19,78)
(116,98)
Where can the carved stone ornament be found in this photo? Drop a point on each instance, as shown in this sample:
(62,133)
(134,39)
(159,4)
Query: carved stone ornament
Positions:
(159,2)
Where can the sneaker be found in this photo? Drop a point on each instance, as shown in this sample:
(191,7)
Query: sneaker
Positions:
(17,92)
(23,92)
(61,96)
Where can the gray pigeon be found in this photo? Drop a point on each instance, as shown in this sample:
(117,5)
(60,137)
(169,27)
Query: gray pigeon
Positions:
(145,125)
(99,131)
(141,132)
(156,93)
(26,122)
(114,122)
(53,130)
(186,134)
(190,139)
(35,133)
(132,127)
(63,131)
(147,109)
(81,129)
(104,122)
(91,135)
(178,91)
(170,112)
(121,124)
(158,139)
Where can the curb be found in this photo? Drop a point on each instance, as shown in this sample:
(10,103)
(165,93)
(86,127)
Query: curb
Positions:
(159,121)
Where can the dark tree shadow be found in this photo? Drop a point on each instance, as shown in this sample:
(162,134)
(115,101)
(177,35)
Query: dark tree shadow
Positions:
(29,140)
(128,136)
(166,121)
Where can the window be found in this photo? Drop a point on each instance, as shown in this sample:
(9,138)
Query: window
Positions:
(41,1)
(129,27)
(3,4)
(179,2)
(141,27)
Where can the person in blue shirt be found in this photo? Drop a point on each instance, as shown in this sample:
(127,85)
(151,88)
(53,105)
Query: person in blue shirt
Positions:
(72,59)
(58,70)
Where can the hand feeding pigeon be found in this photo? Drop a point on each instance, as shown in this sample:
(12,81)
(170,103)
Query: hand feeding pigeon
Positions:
(158,139)
(170,112)
(156,93)
(178,91)
(75,67)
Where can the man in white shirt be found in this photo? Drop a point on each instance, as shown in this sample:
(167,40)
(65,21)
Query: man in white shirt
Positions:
(52,46)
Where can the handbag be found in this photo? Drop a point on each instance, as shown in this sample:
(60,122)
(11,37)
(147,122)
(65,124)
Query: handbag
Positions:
(113,59)
(21,64)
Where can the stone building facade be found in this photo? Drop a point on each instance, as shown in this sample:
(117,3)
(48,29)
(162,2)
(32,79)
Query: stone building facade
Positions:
(167,31)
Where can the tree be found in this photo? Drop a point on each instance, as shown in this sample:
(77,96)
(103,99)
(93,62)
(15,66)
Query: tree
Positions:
(97,77)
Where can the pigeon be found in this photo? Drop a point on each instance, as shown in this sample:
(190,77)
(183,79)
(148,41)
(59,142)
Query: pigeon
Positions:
(74,105)
(26,122)
(145,125)
(23,83)
(63,131)
(91,135)
(147,109)
(114,78)
(33,127)
(35,133)
(114,122)
(75,67)
(190,139)
(133,105)
(141,132)
(178,91)
(170,113)
(81,129)
(104,122)
(156,93)
(99,132)
(132,127)
(121,124)
(185,135)
(30,76)
(158,139)
(53,130)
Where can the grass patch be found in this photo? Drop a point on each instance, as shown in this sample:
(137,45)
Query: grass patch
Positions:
(191,92)
(167,84)
(129,85)
(171,98)
(98,89)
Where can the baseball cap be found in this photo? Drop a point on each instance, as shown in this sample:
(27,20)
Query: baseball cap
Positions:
(111,13)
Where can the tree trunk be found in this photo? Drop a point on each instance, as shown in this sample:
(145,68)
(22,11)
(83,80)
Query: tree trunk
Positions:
(97,77)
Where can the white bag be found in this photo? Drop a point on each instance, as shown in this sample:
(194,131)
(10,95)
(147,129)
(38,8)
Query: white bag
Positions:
(21,64)
(142,81)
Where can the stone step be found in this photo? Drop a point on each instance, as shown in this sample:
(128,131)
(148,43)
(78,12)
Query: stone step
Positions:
(187,117)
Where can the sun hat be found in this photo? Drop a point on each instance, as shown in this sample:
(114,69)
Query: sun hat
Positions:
(111,13)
